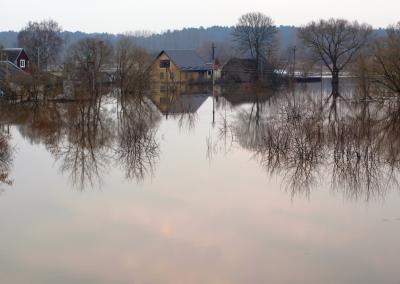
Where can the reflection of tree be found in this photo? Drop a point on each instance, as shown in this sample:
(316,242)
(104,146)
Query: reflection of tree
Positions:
(6,158)
(137,148)
(360,148)
(84,151)
(390,124)
(276,135)
(41,123)
(82,136)
(358,167)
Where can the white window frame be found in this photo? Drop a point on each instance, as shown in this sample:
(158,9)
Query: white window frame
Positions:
(22,63)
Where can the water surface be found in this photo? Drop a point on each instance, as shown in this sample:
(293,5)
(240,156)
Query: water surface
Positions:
(199,189)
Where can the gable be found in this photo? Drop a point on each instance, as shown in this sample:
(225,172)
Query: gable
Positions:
(12,54)
(23,55)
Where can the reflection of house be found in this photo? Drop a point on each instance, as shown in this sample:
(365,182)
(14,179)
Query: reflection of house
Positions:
(16,56)
(179,104)
(179,66)
(180,88)
(180,101)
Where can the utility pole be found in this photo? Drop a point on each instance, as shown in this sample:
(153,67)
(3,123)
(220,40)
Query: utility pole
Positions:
(294,73)
(213,82)
(213,62)
(321,85)
(294,61)
(6,63)
(38,57)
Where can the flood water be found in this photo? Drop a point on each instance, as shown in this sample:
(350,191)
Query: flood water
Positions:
(193,188)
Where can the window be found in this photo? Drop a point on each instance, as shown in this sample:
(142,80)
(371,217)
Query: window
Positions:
(161,76)
(172,76)
(163,89)
(22,63)
(164,63)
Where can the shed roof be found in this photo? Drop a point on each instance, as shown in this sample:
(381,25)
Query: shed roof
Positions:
(187,60)
(12,53)
(6,67)
(242,63)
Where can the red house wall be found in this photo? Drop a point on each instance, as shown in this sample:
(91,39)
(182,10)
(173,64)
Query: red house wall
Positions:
(24,56)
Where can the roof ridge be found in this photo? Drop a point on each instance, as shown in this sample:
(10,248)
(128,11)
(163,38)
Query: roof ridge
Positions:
(181,49)
(186,59)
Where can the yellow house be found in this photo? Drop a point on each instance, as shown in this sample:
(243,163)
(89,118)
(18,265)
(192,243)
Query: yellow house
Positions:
(179,66)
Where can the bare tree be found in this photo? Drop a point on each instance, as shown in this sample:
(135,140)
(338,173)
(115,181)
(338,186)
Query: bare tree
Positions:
(336,42)
(87,61)
(255,33)
(132,67)
(386,60)
(42,41)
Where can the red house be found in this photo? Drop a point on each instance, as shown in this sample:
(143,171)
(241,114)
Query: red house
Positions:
(17,56)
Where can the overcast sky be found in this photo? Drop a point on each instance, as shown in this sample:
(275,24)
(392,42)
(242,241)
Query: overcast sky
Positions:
(119,16)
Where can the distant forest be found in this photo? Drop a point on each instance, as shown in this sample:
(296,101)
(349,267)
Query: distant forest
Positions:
(189,38)
(199,39)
